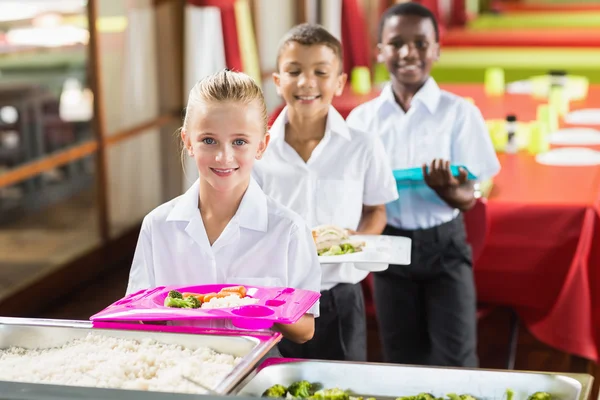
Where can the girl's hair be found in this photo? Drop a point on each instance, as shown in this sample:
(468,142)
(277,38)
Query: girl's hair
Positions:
(225,86)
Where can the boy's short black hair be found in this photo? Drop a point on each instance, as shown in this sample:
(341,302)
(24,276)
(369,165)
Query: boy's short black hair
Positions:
(311,35)
(408,8)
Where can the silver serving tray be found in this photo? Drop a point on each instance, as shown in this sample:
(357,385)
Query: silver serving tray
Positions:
(385,381)
(47,333)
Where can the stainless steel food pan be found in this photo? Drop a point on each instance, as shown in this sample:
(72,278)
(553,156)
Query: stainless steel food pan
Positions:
(40,333)
(392,380)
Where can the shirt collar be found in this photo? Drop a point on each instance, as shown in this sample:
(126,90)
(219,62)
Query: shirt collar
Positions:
(429,95)
(335,123)
(251,214)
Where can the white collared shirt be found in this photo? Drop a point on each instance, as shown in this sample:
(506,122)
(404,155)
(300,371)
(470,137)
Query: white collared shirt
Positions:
(264,244)
(346,169)
(438,124)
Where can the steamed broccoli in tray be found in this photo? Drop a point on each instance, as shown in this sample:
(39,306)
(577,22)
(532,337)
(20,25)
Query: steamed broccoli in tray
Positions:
(331,394)
(276,391)
(306,390)
(175,299)
(421,396)
(540,396)
(300,389)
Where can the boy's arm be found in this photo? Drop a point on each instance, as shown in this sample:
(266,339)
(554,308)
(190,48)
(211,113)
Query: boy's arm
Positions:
(473,148)
(304,272)
(372,221)
(379,189)
(457,192)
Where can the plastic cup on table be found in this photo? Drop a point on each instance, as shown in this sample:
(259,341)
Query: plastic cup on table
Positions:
(360,80)
(538,139)
(549,115)
(524,134)
(559,100)
(494,81)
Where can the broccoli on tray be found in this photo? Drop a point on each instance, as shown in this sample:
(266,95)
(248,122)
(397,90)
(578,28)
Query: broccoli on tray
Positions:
(276,391)
(331,394)
(540,396)
(306,390)
(420,396)
(300,389)
(175,299)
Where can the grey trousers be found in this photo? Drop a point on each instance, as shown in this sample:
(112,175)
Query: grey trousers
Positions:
(427,311)
(340,330)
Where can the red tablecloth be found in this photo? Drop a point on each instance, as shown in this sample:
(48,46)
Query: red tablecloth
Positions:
(542,255)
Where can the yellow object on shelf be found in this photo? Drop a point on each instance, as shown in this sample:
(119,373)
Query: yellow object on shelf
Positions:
(494,81)
(360,80)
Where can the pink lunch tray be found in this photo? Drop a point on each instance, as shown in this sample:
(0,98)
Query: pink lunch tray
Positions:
(275,305)
(185,329)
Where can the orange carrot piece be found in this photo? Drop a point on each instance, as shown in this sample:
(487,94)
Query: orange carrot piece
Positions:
(235,289)
(208,297)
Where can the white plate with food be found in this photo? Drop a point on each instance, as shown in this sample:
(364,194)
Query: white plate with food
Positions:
(367,252)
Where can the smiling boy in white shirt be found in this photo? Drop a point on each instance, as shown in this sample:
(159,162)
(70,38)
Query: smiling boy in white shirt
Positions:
(427,310)
(330,175)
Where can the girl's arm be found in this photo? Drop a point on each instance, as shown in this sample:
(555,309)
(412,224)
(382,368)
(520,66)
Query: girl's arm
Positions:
(141,275)
(300,332)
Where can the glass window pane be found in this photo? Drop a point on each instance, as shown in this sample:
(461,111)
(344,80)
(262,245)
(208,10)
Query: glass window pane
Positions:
(45,101)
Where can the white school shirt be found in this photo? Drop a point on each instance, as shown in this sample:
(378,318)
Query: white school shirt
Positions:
(346,169)
(438,124)
(264,244)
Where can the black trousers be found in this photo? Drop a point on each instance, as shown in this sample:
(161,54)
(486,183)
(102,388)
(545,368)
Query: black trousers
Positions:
(340,330)
(427,310)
